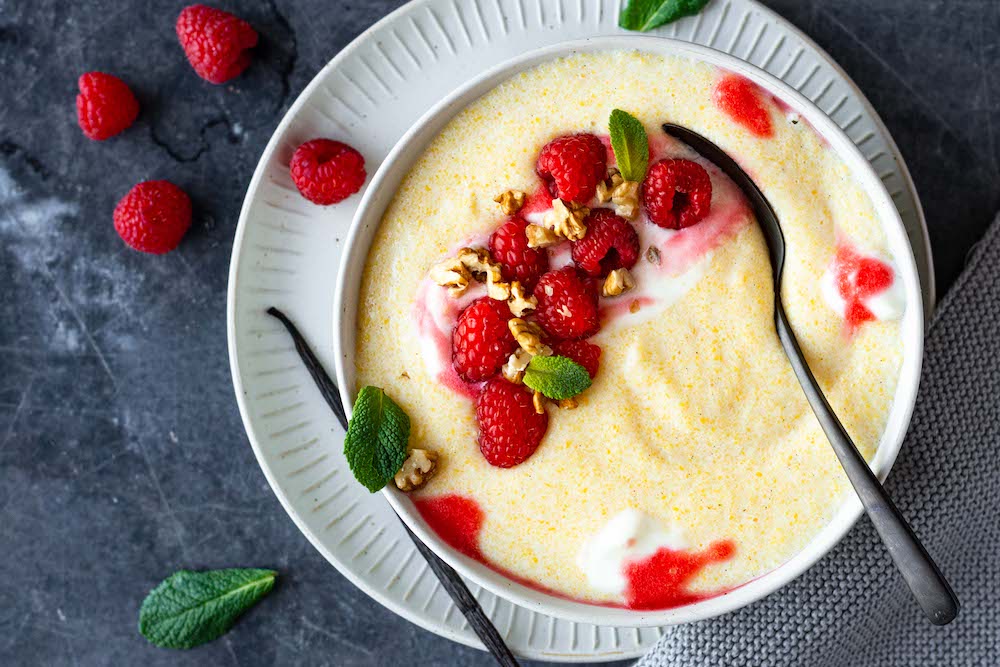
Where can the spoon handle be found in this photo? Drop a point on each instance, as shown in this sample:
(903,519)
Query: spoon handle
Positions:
(929,587)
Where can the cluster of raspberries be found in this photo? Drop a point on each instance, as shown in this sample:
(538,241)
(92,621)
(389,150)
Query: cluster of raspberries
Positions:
(154,216)
(675,194)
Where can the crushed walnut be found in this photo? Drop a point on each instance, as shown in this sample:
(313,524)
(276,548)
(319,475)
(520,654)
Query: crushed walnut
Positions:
(653,255)
(568,403)
(520,301)
(538,400)
(511,201)
(513,370)
(623,194)
(541,237)
(418,467)
(618,282)
(566,220)
(451,273)
(634,306)
(528,336)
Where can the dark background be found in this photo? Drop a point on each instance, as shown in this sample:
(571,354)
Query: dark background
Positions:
(122,454)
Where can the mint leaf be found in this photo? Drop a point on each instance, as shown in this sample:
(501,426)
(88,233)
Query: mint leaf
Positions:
(377,434)
(643,15)
(191,608)
(556,377)
(629,142)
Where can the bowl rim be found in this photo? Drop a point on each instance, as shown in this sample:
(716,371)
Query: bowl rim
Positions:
(412,144)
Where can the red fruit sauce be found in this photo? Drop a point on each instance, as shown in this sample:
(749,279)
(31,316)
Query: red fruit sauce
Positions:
(858,278)
(657,582)
(743,101)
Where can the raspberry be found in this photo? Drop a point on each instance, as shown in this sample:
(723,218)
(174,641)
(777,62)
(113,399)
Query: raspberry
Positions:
(105,105)
(327,171)
(586,354)
(677,193)
(215,42)
(509,247)
(509,428)
(611,243)
(740,99)
(481,342)
(572,166)
(153,216)
(567,305)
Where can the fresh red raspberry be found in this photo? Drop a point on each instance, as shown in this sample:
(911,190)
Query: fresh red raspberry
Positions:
(740,99)
(217,43)
(586,354)
(153,216)
(572,166)
(509,247)
(105,105)
(567,305)
(509,428)
(481,342)
(327,171)
(677,193)
(611,243)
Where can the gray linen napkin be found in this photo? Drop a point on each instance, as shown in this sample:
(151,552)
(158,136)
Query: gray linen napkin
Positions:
(852,608)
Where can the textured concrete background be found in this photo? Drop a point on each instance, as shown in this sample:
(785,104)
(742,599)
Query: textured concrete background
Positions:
(122,455)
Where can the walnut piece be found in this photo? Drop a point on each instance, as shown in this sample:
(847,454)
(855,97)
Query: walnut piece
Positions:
(567,403)
(623,194)
(634,306)
(418,467)
(520,301)
(513,370)
(451,273)
(479,264)
(538,400)
(541,237)
(566,220)
(528,336)
(618,282)
(653,255)
(511,201)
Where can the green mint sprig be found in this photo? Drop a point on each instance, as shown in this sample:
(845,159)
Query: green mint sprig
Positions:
(643,15)
(190,608)
(377,434)
(630,145)
(556,377)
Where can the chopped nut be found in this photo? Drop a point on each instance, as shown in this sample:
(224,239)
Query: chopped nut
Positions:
(634,306)
(520,302)
(568,403)
(541,237)
(477,261)
(566,220)
(608,185)
(653,255)
(538,400)
(528,336)
(625,197)
(618,282)
(513,370)
(511,201)
(418,467)
(451,273)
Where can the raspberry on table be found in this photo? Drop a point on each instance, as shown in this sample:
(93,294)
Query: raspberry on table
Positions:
(571,166)
(105,106)
(509,428)
(482,341)
(586,354)
(611,243)
(677,193)
(216,43)
(509,247)
(153,217)
(327,171)
(567,305)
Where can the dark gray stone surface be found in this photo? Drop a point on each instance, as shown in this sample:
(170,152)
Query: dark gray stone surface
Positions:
(115,396)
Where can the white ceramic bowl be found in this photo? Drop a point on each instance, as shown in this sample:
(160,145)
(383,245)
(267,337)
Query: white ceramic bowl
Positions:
(381,191)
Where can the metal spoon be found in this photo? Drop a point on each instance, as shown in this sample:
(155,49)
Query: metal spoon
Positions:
(922,575)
